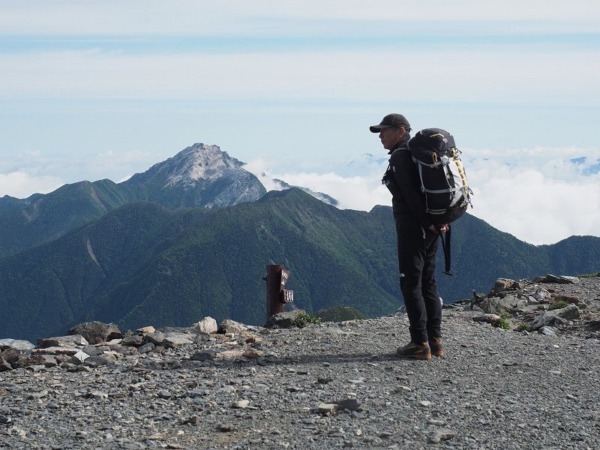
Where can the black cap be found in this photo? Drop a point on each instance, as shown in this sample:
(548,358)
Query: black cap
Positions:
(389,121)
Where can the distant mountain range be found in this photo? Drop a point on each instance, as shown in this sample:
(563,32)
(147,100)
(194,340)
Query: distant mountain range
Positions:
(198,176)
(191,237)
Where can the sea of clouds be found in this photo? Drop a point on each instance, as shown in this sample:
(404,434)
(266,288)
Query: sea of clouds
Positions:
(539,195)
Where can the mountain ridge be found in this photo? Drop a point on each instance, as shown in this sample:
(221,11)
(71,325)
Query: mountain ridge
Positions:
(164,246)
(143,263)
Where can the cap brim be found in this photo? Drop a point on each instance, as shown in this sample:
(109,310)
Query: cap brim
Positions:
(377,128)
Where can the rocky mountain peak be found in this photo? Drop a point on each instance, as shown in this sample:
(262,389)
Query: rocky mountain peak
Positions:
(197,162)
(199,175)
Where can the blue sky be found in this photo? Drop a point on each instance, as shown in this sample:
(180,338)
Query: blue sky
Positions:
(105,89)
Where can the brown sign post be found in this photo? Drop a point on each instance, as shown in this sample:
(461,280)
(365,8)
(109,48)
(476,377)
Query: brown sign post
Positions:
(276,278)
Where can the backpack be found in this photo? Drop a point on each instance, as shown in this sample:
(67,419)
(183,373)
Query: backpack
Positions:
(443,178)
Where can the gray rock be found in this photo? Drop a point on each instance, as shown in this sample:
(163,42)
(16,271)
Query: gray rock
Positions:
(204,355)
(29,360)
(501,305)
(547,331)
(93,350)
(71,341)
(97,361)
(505,284)
(4,365)
(557,279)
(549,318)
(11,355)
(350,404)
(177,339)
(157,337)
(133,340)
(494,388)
(146,348)
(228,326)
(15,344)
(97,332)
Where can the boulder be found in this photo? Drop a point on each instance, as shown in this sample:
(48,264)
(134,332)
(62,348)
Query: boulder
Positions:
(173,340)
(145,331)
(57,350)
(32,359)
(208,325)
(10,355)
(488,318)
(71,341)
(501,305)
(505,284)
(97,332)
(97,361)
(229,326)
(4,365)
(16,344)
(133,340)
(557,279)
(549,318)
(156,338)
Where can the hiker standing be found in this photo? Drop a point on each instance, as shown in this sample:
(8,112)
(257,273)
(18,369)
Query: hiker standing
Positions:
(417,242)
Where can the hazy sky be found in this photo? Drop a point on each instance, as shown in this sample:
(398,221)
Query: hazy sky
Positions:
(105,89)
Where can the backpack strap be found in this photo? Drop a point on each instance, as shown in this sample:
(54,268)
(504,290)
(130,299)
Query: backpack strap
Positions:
(447,247)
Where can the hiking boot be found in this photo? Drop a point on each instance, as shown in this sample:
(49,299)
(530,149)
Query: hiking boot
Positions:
(415,351)
(435,344)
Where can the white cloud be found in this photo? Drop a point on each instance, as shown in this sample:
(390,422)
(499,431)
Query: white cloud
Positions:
(22,185)
(538,195)
(189,17)
(469,76)
(538,209)
(30,172)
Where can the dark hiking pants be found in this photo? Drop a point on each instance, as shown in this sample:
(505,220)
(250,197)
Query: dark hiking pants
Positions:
(416,257)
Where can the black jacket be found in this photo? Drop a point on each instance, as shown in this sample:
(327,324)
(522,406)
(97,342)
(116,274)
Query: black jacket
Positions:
(408,201)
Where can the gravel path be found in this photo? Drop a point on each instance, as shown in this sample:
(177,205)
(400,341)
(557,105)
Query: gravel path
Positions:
(323,386)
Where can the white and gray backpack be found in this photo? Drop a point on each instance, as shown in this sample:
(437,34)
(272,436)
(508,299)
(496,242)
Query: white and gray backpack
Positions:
(442,174)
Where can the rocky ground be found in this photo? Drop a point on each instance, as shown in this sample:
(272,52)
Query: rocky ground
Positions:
(329,385)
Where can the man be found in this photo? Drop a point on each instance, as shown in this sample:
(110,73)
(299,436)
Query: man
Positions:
(417,242)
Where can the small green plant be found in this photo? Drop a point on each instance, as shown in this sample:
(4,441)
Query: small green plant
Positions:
(523,327)
(304,319)
(558,305)
(502,323)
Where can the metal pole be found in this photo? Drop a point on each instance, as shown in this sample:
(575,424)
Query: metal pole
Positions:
(277,296)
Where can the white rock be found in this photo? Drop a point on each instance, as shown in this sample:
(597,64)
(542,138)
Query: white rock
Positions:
(207,325)
(79,357)
(327,408)
(241,404)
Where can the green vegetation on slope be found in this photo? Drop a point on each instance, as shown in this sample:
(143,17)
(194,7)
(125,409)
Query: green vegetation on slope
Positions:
(144,265)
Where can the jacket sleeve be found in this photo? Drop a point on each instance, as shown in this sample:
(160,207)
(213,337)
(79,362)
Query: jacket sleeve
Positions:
(406,177)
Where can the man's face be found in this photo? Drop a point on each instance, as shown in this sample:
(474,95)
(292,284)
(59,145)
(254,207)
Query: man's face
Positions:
(390,137)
